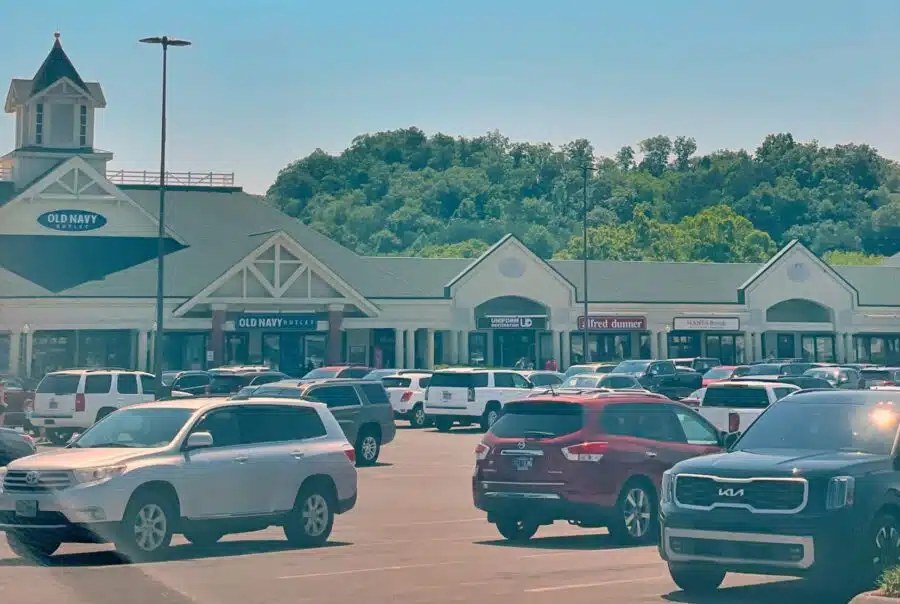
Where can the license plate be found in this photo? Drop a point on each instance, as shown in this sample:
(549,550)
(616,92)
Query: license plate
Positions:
(54,405)
(446,395)
(523,463)
(49,422)
(27,508)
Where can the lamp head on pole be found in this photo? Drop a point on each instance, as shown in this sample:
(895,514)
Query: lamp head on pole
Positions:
(165,41)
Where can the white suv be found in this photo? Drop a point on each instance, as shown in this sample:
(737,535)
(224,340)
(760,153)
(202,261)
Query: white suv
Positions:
(200,467)
(472,395)
(67,402)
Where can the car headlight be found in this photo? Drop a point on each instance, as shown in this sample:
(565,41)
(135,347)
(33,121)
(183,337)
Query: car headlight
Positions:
(98,474)
(840,493)
(667,490)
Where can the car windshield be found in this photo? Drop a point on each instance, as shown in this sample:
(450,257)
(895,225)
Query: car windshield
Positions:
(582,381)
(865,422)
(321,374)
(168,377)
(823,374)
(764,369)
(146,427)
(631,367)
(576,370)
(718,373)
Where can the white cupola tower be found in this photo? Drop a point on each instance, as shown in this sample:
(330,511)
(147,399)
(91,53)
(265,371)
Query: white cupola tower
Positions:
(54,119)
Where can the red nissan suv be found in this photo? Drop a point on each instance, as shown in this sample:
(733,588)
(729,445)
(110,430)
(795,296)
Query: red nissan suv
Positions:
(594,461)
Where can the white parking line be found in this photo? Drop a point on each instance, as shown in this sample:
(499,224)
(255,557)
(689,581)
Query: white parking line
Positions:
(539,590)
(357,571)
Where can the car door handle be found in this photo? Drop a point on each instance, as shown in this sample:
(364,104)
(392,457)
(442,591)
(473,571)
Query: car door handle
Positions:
(650,454)
(298,454)
(241,459)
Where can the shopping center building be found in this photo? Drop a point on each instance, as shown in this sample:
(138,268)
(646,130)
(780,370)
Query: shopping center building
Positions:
(245,283)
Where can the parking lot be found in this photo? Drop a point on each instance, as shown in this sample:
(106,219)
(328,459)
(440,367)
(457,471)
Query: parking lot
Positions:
(414,537)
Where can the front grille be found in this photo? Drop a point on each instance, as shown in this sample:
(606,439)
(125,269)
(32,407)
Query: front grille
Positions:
(761,495)
(24,481)
(42,519)
(751,551)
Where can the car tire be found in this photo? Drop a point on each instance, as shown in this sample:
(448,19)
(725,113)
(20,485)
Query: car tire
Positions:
(34,548)
(145,532)
(443,424)
(417,417)
(885,548)
(490,416)
(696,579)
(311,521)
(203,537)
(517,529)
(368,447)
(636,521)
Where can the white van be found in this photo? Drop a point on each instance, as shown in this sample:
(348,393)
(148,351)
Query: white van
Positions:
(71,401)
(733,406)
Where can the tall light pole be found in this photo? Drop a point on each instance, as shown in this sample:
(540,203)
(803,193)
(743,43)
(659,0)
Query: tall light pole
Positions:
(165,42)
(585,345)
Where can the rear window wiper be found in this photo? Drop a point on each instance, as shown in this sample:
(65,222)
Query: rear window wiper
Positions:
(538,434)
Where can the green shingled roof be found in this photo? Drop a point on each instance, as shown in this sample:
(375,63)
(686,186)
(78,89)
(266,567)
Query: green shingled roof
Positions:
(54,68)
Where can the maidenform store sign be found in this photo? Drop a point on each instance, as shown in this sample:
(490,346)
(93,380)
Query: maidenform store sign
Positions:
(277,321)
(706,324)
(597,323)
(512,322)
(71,220)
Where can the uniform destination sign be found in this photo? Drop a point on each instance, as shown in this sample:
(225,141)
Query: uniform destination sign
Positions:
(597,323)
(706,324)
(277,321)
(71,220)
(512,322)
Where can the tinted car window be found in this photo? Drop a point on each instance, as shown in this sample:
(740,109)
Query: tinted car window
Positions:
(425,382)
(98,384)
(227,383)
(279,424)
(652,422)
(267,378)
(538,420)
(126,383)
(618,381)
(355,372)
(696,430)
(334,396)
(59,383)
(395,382)
(453,380)
(519,381)
(764,369)
(148,384)
(192,381)
(223,426)
(736,398)
(504,380)
(375,393)
(480,380)
(545,379)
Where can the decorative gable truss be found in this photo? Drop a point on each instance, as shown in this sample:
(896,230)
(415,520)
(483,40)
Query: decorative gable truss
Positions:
(281,272)
(76,183)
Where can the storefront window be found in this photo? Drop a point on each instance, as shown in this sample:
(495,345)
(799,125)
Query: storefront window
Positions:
(105,349)
(384,348)
(646,346)
(880,350)
(52,351)
(545,352)
(684,345)
(728,348)
(477,349)
(4,354)
(577,347)
(611,347)
(315,349)
(237,348)
(184,351)
(817,349)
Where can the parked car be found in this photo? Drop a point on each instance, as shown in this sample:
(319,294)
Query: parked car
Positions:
(18,395)
(588,368)
(407,394)
(694,399)
(808,490)
(338,371)
(192,382)
(543,378)
(724,372)
(361,407)
(68,402)
(471,396)
(592,461)
(15,444)
(880,376)
(201,467)
(846,378)
(227,382)
(699,364)
(614,381)
(733,405)
(662,377)
(779,368)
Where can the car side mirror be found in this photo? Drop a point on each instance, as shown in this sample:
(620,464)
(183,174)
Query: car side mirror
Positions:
(199,440)
(728,440)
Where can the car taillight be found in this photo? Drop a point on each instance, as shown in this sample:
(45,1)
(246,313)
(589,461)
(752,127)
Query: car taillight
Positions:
(481,451)
(734,422)
(350,452)
(406,396)
(586,451)
(79,402)
(471,394)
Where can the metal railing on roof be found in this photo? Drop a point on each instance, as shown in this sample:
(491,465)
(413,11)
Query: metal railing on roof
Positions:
(183,179)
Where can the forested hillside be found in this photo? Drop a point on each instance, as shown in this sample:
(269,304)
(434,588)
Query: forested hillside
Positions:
(405,193)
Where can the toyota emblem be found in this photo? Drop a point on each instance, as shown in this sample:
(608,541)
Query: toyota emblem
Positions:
(32,478)
(521,444)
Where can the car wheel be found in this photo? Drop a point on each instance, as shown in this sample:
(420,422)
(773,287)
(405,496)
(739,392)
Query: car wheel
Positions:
(443,424)
(885,546)
(636,520)
(36,548)
(490,417)
(696,579)
(146,529)
(516,529)
(310,523)
(203,537)
(368,447)
(418,418)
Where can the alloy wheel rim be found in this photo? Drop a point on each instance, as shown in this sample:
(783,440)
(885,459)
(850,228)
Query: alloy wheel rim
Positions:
(492,417)
(150,527)
(419,417)
(637,512)
(887,549)
(369,447)
(315,515)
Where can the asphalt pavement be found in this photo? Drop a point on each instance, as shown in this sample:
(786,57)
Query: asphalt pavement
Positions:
(413,537)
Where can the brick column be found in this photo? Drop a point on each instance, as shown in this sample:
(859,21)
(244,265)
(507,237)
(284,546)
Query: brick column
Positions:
(217,338)
(335,339)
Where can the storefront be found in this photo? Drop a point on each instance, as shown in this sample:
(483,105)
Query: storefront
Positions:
(516,340)
(879,349)
(55,350)
(713,337)
(611,338)
(287,342)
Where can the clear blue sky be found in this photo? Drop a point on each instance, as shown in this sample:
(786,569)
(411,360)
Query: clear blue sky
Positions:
(268,81)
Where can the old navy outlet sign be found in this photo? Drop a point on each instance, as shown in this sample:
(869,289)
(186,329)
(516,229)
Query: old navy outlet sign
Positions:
(277,321)
(72,220)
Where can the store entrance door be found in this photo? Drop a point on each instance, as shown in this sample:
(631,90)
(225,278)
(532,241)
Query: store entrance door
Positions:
(511,345)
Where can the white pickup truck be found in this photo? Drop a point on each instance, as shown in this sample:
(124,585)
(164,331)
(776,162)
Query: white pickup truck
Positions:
(733,406)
